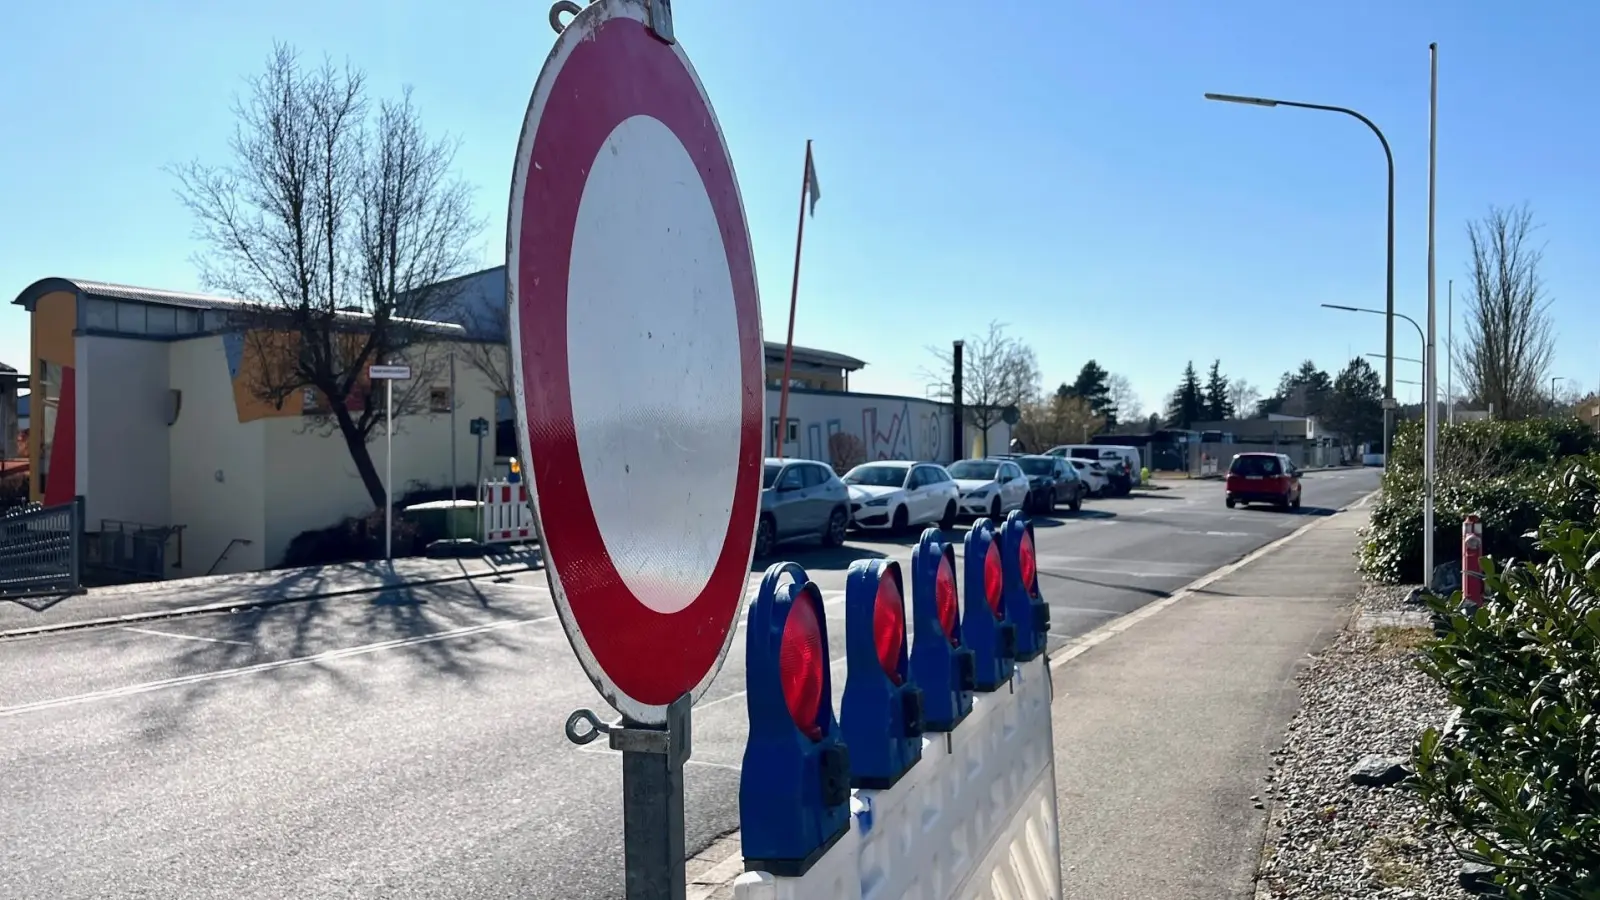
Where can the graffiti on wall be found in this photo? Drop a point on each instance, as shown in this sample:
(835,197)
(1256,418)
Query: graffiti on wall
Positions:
(889,430)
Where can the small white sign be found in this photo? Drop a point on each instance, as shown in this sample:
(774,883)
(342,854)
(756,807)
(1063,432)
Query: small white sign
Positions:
(390,373)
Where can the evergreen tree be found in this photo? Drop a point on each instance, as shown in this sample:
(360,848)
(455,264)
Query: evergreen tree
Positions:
(1093,385)
(1188,403)
(1218,400)
(1354,408)
(1302,392)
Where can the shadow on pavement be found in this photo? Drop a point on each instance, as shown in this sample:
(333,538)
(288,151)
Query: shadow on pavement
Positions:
(815,556)
(305,630)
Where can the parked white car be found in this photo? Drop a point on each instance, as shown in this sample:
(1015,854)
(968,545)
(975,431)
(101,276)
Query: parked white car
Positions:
(990,487)
(897,495)
(1093,474)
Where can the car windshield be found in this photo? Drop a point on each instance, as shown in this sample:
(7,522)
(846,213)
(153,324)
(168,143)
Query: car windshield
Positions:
(1255,465)
(769,475)
(974,470)
(876,476)
(1037,466)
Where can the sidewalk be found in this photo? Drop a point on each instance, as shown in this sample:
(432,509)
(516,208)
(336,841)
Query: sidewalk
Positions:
(218,593)
(1164,732)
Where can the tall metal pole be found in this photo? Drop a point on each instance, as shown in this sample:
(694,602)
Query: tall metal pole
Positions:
(453,438)
(388,470)
(957,406)
(794,298)
(1388,155)
(1430,419)
(1450,350)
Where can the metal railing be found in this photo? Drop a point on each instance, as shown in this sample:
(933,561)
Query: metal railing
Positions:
(41,550)
(135,549)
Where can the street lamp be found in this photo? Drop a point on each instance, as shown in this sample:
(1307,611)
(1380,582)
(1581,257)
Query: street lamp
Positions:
(1388,345)
(1393,315)
(1397,358)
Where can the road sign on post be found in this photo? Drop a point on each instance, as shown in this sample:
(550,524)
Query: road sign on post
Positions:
(388,374)
(635,332)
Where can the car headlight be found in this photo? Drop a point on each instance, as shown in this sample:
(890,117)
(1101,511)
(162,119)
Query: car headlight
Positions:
(979,493)
(881,501)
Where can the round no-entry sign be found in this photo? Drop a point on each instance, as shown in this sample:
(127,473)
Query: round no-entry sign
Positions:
(637,358)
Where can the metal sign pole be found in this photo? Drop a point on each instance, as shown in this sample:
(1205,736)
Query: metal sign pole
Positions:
(453,439)
(653,853)
(388,471)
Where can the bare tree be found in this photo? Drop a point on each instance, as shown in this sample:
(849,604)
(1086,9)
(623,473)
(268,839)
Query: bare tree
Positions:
(1057,420)
(1124,399)
(1504,356)
(335,225)
(998,371)
(492,358)
(1243,397)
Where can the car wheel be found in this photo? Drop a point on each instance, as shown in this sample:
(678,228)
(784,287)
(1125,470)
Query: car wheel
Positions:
(837,523)
(1232,503)
(949,521)
(994,510)
(902,520)
(1295,504)
(766,534)
(1076,503)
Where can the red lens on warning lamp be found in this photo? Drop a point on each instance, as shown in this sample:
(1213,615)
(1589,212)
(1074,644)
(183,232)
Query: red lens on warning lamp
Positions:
(993,578)
(945,598)
(889,626)
(1029,563)
(801,665)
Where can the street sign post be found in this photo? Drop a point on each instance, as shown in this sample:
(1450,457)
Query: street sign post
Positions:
(388,374)
(636,353)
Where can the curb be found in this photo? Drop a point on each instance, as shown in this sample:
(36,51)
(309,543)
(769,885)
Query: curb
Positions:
(234,606)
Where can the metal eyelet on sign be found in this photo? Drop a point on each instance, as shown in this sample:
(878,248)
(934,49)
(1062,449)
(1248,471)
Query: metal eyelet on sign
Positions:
(596,727)
(563,6)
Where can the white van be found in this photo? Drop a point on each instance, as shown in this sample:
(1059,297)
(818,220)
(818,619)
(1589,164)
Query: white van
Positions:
(1114,457)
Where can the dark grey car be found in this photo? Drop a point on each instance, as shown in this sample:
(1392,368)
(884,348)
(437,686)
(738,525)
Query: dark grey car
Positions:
(801,499)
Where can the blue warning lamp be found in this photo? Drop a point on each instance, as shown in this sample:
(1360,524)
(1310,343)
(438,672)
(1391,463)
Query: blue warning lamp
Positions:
(1023,604)
(881,713)
(940,665)
(993,639)
(794,786)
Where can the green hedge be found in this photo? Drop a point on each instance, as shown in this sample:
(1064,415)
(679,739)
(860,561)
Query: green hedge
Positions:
(1509,473)
(1520,774)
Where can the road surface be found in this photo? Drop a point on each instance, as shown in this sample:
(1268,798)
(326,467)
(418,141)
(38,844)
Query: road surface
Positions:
(409,744)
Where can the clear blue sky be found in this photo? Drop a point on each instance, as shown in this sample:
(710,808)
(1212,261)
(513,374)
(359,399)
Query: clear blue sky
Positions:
(1051,165)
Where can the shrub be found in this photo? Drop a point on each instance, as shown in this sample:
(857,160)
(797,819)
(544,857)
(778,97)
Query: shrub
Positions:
(1520,774)
(1509,473)
(13,490)
(355,539)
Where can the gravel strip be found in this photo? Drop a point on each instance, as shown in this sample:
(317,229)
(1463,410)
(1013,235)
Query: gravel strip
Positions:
(1330,838)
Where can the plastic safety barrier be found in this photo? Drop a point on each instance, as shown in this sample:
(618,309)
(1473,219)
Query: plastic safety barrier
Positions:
(506,514)
(937,781)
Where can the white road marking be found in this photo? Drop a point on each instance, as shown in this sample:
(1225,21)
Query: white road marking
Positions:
(220,674)
(186,637)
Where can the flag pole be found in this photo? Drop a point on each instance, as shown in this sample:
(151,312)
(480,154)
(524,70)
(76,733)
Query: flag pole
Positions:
(794,296)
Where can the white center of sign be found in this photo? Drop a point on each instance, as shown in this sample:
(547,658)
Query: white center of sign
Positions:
(653,358)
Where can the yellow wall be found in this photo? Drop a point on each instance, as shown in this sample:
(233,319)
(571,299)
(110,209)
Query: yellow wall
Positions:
(54,319)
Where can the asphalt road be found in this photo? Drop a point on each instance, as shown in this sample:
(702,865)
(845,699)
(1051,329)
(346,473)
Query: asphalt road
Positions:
(409,743)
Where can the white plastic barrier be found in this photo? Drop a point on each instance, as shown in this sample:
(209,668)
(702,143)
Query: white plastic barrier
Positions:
(975,819)
(507,516)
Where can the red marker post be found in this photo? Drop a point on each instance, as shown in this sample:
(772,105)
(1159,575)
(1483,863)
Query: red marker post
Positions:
(1472,560)
(635,332)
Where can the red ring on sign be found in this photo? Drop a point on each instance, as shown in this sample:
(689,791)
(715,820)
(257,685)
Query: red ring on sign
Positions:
(650,657)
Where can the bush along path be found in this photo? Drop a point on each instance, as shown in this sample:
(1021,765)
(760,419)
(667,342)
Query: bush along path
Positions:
(1518,773)
(1515,475)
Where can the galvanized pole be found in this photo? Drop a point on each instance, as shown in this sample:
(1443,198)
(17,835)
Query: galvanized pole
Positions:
(1430,421)
(453,438)
(388,470)
(1450,349)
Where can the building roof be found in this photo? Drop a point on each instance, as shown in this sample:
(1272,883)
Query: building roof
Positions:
(30,296)
(816,357)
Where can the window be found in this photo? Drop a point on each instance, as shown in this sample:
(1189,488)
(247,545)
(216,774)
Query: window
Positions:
(876,476)
(1038,466)
(505,427)
(161,320)
(792,479)
(769,475)
(793,435)
(817,475)
(975,470)
(439,400)
(99,315)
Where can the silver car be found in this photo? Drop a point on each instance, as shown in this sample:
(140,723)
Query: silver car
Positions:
(801,499)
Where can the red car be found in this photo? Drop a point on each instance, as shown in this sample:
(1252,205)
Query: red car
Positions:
(1263,478)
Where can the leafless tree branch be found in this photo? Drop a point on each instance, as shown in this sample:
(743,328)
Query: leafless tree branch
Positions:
(1506,351)
(337,224)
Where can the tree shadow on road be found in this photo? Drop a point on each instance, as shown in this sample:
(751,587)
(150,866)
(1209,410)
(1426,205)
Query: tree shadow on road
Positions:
(448,631)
